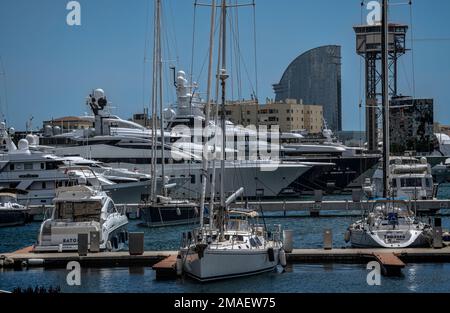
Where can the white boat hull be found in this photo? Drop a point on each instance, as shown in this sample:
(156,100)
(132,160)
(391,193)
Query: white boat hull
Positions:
(389,239)
(221,264)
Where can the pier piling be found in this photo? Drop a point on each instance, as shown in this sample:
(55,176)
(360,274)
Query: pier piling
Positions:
(327,239)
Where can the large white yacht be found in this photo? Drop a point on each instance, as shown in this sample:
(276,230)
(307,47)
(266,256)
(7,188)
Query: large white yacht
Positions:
(82,209)
(40,173)
(121,143)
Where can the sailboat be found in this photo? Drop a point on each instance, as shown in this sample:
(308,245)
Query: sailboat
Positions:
(233,244)
(159,209)
(391,223)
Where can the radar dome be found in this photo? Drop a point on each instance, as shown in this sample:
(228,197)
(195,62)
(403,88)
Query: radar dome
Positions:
(23,144)
(30,139)
(99,93)
(48,131)
(169,114)
(56,130)
(12,131)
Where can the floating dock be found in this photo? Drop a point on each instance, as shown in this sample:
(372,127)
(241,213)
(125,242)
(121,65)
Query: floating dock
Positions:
(25,257)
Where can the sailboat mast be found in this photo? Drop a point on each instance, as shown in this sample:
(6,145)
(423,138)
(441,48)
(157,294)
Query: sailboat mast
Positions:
(161,99)
(207,113)
(154,101)
(223,76)
(385,96)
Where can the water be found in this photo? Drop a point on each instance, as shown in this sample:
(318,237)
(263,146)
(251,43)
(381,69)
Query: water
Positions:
(308,233)
(304,278)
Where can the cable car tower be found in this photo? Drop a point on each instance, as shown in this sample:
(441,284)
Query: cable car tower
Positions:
(368,46)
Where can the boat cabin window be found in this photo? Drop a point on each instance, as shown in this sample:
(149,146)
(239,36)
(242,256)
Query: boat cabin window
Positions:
(11,167)
(411,182)
(28,166)
(51,165)
(78,211)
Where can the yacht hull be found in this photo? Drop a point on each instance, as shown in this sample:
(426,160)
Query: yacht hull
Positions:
(169,215)
(223,264)
(130,192)
(12,217)
(389,239)
(68,239)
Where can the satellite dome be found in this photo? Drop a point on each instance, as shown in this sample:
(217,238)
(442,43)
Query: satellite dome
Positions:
(48,131)
(23,144)
(30,139)
(169,114)
(99,93)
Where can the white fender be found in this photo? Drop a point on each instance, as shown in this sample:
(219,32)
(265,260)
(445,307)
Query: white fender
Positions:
(282,257)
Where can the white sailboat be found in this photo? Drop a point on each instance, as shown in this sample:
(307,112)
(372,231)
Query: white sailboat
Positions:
(231,245)
(391,223)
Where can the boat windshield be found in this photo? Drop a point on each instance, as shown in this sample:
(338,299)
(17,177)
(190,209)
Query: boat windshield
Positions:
(238,225)
(399,208)
(78,211)
(7,198)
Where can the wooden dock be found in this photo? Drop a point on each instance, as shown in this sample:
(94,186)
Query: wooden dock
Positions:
(390,263)
(25,258)
(166,268)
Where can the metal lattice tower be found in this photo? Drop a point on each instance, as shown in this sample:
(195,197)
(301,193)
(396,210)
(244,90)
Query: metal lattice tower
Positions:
(368,45)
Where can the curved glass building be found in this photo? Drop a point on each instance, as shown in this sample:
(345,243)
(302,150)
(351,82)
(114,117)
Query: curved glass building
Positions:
(315,78)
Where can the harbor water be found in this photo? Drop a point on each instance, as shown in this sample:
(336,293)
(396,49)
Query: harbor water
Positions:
(308,233)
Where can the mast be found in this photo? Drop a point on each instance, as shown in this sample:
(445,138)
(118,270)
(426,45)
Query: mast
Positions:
(207,113)
(223,76)
(154,100)
(161,100)
(385,96)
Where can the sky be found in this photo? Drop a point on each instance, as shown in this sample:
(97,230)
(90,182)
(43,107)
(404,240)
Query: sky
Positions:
(47,68)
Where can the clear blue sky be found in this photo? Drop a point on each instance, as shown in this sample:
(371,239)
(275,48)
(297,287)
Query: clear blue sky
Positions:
(50,67)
